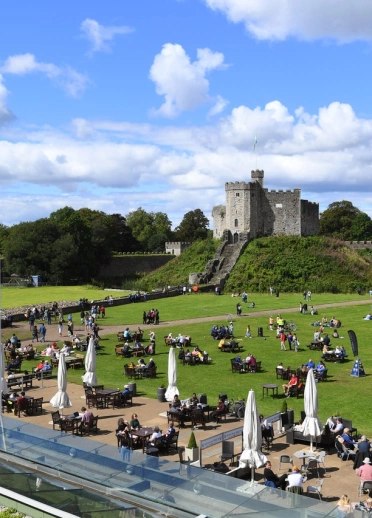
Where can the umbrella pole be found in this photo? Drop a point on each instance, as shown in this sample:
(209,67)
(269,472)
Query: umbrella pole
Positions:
(252,475)
(311,444)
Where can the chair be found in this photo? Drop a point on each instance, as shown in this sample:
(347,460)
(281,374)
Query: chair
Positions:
(56,418)
(295,489)
(227,451)
(342,451)
(174,417)
(37,405)
(285,459)
(321,460)
(68,425)
(365,487)
(348,424)
(316,489)
(312,465)
(173,441)
(198,417)
(22,406)
(235,366)
(98,387)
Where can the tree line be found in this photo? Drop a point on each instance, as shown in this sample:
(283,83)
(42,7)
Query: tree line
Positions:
(72,245)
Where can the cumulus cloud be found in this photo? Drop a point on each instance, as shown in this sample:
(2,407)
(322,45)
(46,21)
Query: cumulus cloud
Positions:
(328,154)
(69,79)
(183,83)
(100,36)
(342,21)
(5,114)
(218,107)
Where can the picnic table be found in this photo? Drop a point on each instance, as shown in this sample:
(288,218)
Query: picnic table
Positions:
(143,434)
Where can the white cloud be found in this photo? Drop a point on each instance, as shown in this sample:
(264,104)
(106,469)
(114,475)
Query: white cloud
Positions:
(100,36)
(69,79)
(328,154)
(343,21)
(218,107)
(5,114)
(183,83)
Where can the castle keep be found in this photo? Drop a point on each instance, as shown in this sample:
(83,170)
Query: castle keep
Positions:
(252,211)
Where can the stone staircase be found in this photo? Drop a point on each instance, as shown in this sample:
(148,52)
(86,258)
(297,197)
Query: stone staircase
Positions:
(218,269)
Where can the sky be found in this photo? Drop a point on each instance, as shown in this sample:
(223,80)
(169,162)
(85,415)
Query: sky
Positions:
(156,104)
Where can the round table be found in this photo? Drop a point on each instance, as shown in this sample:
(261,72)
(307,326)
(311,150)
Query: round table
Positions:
(270,386)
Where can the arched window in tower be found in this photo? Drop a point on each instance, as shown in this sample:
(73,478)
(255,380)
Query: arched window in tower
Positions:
(236,223)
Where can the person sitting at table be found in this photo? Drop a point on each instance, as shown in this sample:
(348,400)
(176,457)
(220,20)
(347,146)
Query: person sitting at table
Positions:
(66,350)
(299,427)
(11,400)
(348,441)
(137,344)
(48,351)
(176,406)
(127,335)
(156,435)
(220,410)
(122,425)
(125,394)
(316,336)
(87,416)
(272,478)
(194,400)
(39,366)
(310,364)
(320,370)
(252,363)
(151,364)
(134,422)
(337,427)
(15,364)
(325,350)
(295,478)
(364,445)
(141,363)
(292,383)
(171,430)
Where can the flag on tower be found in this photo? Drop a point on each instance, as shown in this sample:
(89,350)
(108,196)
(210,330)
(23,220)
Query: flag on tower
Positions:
(255,143)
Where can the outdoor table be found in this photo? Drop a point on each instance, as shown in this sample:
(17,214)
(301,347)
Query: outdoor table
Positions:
(105,394)
(74,422)
(270,386)
(143,434)
(303,455)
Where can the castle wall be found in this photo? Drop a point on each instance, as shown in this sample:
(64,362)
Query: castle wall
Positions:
(238,207)
(252,209)
(282,215)
(309,218)
(176,247)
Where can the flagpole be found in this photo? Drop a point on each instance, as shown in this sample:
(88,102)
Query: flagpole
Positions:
(255,149)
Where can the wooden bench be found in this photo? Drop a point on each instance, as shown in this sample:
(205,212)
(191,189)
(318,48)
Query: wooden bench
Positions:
(76,363)
(26,379)
(227,348)
(120,336)
(139,351)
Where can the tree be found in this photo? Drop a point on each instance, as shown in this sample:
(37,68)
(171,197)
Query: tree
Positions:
(193,226)
(337,220)
(361,228)
(4,232)
(145,224)
(123,240)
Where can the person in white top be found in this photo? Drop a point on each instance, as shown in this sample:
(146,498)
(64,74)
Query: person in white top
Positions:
(295,478)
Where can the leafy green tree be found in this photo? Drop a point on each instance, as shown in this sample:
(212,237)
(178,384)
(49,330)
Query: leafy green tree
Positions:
(145,224)
(4,232)
(361,228)
(193,226)
(123,240)
(337,220)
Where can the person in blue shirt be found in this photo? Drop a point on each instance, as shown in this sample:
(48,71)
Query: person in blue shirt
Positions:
(310,364)
(125,394)
(348,441)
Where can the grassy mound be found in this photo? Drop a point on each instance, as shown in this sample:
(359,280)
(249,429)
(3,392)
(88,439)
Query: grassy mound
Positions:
(293,264)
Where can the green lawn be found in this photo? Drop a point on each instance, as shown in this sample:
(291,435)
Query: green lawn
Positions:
(341,393)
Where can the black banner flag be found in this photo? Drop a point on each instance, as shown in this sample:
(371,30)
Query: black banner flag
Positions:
(353,342)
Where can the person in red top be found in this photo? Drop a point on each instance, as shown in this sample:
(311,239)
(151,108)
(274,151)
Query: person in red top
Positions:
(103,311)
(292,383)
(39,366)
(283,338)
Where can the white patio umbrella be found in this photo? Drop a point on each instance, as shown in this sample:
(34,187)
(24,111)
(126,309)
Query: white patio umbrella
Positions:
(90,377)
(312,425)
(61,399)
(252,437)
(172,390)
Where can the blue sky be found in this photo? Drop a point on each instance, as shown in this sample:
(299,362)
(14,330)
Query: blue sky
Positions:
(118,105)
